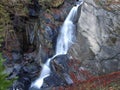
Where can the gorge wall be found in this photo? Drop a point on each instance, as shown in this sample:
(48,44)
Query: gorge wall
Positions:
(98,39)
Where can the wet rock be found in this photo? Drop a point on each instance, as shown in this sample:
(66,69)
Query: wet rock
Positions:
(29,70)
(32,12)
(60,64)
(59,73)
(49,33)
(76,17)
(29,56)
(68,79)
(15,71)
(34,8)
(54,80)
(21,84)
(57,17)
(25,75)
(16,55)
(33,88)
(25,82)
(17,85)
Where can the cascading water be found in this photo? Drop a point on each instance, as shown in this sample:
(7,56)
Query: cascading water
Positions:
(64,41)
(66,36)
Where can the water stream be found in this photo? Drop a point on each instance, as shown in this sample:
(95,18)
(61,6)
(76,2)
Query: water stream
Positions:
(64,41)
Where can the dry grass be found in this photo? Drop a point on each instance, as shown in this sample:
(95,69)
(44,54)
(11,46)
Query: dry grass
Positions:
(106,82)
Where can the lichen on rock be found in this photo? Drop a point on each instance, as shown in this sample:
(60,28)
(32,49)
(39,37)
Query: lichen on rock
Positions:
(51,3)
(110,5)
(57,3)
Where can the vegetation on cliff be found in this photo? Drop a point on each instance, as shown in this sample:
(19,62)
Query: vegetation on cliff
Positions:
(4,21)
(4,82)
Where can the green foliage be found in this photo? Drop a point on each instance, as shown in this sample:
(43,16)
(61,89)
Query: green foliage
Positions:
(6,25)
(4,83)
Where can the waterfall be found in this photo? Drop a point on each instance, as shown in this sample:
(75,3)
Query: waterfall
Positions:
(64,41)
(66,36)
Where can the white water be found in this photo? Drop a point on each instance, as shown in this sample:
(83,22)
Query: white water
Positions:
(64,41)
(65,38)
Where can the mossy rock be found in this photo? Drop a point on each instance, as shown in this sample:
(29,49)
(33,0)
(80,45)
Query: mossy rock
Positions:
(17,7)
(57,3)
(51,3)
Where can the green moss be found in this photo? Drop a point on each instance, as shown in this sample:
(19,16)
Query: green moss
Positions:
(57,3)
(4,83)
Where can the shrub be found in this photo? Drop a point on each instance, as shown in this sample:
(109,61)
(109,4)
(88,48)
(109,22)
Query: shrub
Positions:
(4,82)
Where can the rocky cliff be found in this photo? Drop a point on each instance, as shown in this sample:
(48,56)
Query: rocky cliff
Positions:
(98,39)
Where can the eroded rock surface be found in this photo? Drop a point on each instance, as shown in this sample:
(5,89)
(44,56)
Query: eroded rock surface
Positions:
(98,39)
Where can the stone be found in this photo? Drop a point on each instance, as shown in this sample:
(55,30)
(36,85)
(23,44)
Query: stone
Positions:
(60,64)
(57,17)
(34,8)
(32,13)
(98,36)
(49,33)
(110,65)
(16,56)
(59,73)
(68,79)
(54,80)
(33,88)
(25,74)
(17,85)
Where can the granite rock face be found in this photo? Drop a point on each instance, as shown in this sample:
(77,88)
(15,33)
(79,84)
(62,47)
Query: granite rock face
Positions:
(98,39)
